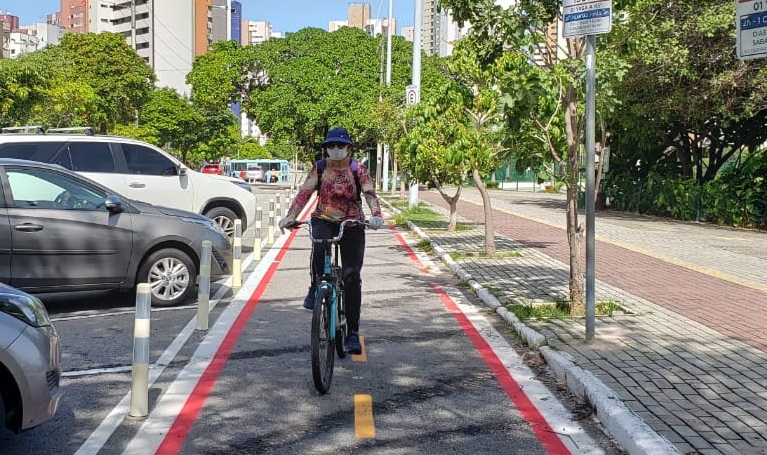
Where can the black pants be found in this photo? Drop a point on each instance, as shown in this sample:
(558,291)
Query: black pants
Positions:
(352,247)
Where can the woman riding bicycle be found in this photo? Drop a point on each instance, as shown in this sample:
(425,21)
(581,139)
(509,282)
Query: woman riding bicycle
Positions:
(339,186)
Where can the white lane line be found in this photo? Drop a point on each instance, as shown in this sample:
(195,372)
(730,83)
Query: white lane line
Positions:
(104,431)
(155,427)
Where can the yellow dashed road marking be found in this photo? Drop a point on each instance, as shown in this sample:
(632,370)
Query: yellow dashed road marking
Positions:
(364,428)
(361,357)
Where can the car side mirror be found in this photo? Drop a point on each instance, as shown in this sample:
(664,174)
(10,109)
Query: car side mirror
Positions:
(114,204)
(181,169)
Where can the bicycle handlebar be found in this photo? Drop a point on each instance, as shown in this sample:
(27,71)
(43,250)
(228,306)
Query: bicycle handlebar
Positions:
(335,239)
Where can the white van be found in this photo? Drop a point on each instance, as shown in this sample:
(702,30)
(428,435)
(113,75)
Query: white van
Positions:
(139,171)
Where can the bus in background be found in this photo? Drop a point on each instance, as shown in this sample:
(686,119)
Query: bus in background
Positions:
(275,171)
(236,167)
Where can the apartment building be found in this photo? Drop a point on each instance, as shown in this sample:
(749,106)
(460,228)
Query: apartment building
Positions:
(168,34)
(358,14)
(256,32)
(16,40)
(74,15)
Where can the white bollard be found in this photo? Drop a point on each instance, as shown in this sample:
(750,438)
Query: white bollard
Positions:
(237,255)
(258,235)
(139,394)
(203,287)
(287,201)
(277,205)
(270,230)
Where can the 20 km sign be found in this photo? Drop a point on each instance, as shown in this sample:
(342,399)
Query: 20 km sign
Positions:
(412,94)
(751,25)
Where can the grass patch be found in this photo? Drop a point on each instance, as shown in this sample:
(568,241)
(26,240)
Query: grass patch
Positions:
(560,310)
(483,255)
(425,245)
(417,215)
(404,203)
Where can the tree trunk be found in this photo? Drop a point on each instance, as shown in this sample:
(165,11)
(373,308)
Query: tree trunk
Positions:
(452,202)
(574,229)
(394,173)
(489,228)
(402,179)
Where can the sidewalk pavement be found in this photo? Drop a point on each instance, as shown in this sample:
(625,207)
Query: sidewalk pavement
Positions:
(683,369)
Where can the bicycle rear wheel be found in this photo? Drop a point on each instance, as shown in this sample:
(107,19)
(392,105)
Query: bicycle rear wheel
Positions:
(322,344)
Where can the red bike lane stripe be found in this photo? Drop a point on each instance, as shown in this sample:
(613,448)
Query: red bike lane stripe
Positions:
(183,423)
(548,438)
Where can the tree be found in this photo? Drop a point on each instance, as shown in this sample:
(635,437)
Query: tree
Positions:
(121,80)
(424,150)
(520,30)
(688,104)
(23,82)
(175,122)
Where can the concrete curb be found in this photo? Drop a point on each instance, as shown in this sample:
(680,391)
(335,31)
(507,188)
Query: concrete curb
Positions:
(629,431)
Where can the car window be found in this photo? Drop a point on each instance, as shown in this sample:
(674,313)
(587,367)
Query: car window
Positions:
(42,189)
(40,151)
(146,161)
(87,157)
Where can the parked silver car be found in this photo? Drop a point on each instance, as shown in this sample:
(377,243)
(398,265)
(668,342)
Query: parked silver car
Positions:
(29,362)
(60,231)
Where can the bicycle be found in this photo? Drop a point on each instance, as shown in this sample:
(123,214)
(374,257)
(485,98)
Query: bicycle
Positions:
(328,317)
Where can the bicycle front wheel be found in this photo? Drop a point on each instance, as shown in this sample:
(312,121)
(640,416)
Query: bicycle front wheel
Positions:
(323,353)
(340,325)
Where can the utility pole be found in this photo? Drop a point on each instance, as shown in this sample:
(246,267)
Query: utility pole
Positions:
(413,191)
(388,83)
(133,25)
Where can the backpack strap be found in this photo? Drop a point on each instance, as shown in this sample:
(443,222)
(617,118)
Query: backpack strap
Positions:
(353,164)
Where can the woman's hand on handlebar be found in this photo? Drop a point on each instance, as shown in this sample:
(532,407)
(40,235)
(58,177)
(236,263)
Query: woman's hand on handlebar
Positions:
(375,222)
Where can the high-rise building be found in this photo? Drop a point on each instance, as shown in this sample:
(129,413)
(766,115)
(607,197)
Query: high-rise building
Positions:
(256,32)
(11,21)
(74,14)
(168,34)
(358,14)
(408,32)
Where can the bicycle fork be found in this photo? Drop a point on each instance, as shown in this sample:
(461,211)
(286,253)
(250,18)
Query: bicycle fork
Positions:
(332,302)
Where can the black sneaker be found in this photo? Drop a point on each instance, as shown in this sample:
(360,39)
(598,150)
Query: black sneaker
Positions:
(309,299)
(353,345)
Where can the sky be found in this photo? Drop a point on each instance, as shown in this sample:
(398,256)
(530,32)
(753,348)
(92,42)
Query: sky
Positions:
(284,15)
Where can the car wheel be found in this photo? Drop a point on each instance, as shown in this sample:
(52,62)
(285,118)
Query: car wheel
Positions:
(172,275)
(224,218)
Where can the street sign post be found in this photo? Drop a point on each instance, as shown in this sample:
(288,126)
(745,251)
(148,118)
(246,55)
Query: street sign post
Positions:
(586,17)
(589,18)
(751,25)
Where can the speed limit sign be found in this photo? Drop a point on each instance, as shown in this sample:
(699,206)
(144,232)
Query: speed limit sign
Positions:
(412,94)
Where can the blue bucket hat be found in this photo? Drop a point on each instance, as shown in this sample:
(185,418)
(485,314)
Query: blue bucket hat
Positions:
(338,135)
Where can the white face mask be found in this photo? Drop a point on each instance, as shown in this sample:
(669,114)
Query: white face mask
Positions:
(337,153)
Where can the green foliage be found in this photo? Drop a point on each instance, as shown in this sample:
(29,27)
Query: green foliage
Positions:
(313,80)
(94,79)
(737,197)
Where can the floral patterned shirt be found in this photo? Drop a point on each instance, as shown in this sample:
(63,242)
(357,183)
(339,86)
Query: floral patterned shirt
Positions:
(337,199)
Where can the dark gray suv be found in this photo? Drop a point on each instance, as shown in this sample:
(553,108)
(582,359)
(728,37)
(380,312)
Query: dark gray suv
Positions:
(60,231)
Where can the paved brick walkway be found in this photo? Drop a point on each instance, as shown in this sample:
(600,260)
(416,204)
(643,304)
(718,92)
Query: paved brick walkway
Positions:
(690,356)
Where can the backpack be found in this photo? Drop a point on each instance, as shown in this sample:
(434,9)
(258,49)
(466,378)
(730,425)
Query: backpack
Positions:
(353,164)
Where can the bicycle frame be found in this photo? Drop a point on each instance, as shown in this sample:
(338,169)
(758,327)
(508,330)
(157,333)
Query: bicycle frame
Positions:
(331,273)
